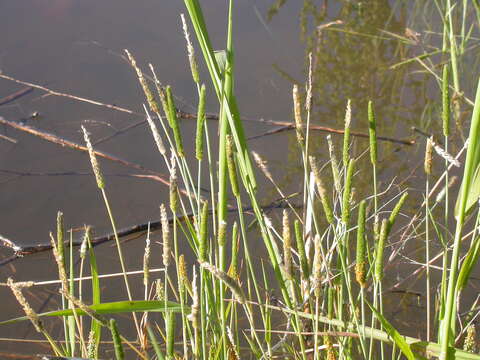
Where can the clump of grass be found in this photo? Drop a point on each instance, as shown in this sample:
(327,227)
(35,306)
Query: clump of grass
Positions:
(320,288)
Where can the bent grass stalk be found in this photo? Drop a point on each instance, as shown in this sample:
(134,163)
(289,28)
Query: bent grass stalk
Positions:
(101,185)
(447,329)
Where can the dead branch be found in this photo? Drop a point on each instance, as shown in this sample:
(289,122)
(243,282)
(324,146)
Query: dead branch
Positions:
(186,115)
(16,95)
(285,125)
(69,96)
(12,140)
(125,234)
(73,145)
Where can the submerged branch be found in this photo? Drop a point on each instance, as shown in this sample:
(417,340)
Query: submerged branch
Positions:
(129,232)
(285,125)
(16,95)
(73,145)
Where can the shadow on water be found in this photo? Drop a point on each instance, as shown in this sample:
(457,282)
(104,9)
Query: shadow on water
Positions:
(361,51)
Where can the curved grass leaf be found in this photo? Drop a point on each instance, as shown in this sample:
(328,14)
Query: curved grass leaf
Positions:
(473,193)
(425,347)
(468,264)
(115,307)
(398,339)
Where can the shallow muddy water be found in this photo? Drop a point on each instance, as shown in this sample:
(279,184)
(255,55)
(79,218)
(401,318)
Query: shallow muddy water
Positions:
(77,48)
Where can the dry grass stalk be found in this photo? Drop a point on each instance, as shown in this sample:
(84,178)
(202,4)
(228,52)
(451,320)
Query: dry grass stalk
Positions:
(17,292)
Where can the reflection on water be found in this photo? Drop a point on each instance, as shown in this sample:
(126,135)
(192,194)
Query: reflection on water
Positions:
(368,51)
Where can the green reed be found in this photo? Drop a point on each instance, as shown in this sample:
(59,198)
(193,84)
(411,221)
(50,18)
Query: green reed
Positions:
(308,298)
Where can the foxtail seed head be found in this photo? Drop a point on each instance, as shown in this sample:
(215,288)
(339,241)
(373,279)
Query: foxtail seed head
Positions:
(146,259)
(396,211)
(262,164)
(93,160)
(222,231)
(165,235)
(148,93)
(297,108)
(334,163)
(117,341)
(317,265)
(200,124)
(287,245)
(155,133)
(190,51)
(193,316)
(347,192)
(321,190)
(228,280)
(16,289)
(378,273)
(232,170)
(203,247)
(173,186)
(233,271)
(471,342)
(346,134)
(372,132)
(304,266)
(360,266)
(428,156)
(182,272)
(173,121)
(308,100)
(445,102)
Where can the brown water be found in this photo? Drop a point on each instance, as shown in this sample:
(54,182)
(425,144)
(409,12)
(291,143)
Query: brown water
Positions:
(77,48)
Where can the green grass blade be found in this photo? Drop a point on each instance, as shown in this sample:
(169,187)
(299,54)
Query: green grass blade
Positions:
(471,164)
(115,307)
(398,339)
(96,327)
(229,103)
(153,341)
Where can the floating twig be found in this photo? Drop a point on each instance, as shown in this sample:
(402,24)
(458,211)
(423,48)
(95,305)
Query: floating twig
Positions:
(16,95)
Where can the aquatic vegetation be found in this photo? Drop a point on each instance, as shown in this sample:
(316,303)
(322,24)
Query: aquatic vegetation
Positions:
(318,294)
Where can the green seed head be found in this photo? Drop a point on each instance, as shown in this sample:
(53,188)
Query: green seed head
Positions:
(321,191)
(173,121)
(200,124)
(317,265)
(304,266)
(334,163)
(360,266)
(203,247)
(346,135)
(378,274)
(372,132)
(395,211)
(445,102)
(347,192)
(232,170)
(117,341)
(152,102)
